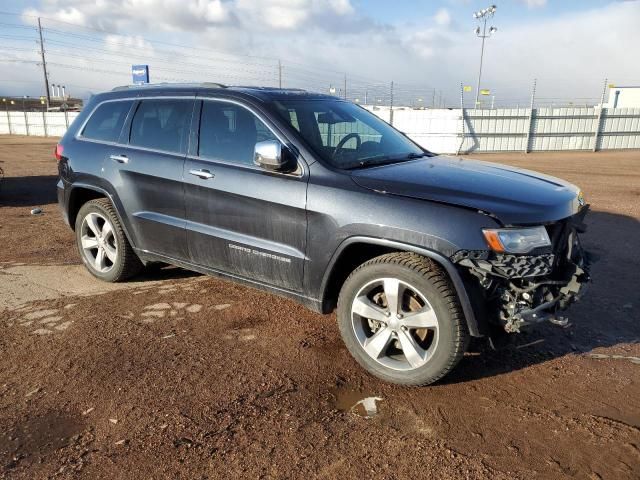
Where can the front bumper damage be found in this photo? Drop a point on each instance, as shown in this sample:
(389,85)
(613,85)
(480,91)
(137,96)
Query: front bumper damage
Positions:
(522,290)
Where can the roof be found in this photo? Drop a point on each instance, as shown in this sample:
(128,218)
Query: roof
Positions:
(263,93)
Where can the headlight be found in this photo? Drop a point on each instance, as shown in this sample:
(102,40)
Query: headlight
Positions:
(516,240)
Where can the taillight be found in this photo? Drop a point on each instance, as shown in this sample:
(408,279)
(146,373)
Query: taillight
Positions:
(59,150)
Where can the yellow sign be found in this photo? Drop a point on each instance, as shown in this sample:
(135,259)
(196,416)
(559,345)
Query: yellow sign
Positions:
(466,88)
(611,85)
(484,91)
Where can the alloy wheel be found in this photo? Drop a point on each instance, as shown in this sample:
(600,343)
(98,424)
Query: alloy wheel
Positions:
(98,242)
(395,324)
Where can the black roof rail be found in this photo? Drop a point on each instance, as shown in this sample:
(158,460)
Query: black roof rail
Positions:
(168,84)
(285,89)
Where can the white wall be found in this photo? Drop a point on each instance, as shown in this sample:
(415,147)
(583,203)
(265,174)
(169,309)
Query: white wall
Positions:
(520,129)
(50,124)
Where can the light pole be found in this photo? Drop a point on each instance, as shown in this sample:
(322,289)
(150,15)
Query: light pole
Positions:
(482,16)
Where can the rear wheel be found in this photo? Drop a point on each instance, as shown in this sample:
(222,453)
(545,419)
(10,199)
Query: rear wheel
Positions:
(400,319)
(102,244)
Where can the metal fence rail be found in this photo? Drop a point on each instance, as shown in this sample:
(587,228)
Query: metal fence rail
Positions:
(447,130)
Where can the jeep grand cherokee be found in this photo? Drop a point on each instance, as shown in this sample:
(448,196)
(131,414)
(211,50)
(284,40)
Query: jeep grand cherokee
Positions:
(317,199)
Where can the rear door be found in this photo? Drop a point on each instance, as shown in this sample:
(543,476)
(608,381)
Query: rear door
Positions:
(242,219)
(146,172)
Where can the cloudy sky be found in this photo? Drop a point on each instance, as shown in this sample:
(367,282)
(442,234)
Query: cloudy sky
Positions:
(423,46)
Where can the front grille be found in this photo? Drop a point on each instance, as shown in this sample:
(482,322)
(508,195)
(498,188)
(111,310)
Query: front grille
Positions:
(516,266)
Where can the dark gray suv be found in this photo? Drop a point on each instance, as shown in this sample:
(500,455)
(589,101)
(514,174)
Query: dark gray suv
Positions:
(317,199)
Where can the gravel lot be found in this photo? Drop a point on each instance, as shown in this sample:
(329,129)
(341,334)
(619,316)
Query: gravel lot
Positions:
(176,375)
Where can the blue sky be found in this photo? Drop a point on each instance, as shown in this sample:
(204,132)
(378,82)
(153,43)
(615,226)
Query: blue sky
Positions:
(569,46)
(402,10)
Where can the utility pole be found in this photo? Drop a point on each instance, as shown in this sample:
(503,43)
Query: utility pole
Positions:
(345,86)
(483,15)
(391,105)
(279,74)
(462,133)
(599,117)
(531,115)
(44,65)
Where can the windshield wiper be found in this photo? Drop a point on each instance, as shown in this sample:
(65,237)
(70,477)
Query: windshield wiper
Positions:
(385,160)
(412,155)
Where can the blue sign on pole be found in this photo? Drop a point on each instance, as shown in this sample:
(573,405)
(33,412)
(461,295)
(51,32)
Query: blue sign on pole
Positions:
(140,74)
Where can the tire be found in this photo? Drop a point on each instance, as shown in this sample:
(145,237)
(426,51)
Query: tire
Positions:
(98,229)
(430,323)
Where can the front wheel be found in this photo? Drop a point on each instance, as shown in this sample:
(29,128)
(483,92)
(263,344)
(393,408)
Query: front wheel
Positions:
(400,318)
(102,244)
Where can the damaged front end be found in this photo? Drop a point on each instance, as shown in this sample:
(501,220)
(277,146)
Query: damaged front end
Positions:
(525,289)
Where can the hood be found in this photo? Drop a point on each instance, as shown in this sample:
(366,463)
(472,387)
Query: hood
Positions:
(515,196)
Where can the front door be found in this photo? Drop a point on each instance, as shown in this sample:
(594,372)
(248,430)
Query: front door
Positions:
(242,219)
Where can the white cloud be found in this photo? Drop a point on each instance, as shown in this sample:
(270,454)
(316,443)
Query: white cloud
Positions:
(535,3)
(196,15)
(443,17)
(213,11)
(69,14)
(341,7)
(287,14)
(122,43)
(274,14)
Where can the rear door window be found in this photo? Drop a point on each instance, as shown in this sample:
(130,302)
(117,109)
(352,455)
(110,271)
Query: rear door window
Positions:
(106,122)
(162,125)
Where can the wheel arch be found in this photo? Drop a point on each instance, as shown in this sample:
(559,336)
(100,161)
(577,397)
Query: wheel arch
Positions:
(356,250)
(78,196)
(81,193)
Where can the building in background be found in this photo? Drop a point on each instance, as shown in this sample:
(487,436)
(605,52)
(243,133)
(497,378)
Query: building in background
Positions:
(623,97)
(39,104)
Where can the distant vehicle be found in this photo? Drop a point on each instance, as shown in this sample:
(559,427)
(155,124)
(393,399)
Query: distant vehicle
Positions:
(314,198)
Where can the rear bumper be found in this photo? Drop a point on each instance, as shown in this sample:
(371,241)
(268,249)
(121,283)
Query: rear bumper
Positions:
(523,290)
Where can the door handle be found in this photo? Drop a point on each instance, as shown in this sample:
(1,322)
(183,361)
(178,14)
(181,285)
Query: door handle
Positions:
(119,158)
(204,174)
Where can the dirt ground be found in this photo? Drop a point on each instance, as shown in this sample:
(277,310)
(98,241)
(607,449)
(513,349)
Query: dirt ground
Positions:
(176,375)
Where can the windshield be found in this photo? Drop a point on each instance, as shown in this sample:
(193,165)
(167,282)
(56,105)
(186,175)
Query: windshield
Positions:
(346,135)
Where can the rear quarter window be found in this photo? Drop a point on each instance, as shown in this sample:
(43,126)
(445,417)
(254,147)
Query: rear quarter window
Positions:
(106,121)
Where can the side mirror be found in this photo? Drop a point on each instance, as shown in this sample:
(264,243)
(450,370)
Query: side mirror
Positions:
(271,155)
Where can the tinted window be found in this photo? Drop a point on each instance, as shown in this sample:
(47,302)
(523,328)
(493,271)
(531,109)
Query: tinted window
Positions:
(161,124)
(106,122)
(230,132)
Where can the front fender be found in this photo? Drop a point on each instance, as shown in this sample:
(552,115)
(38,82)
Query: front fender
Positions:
(444,262)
